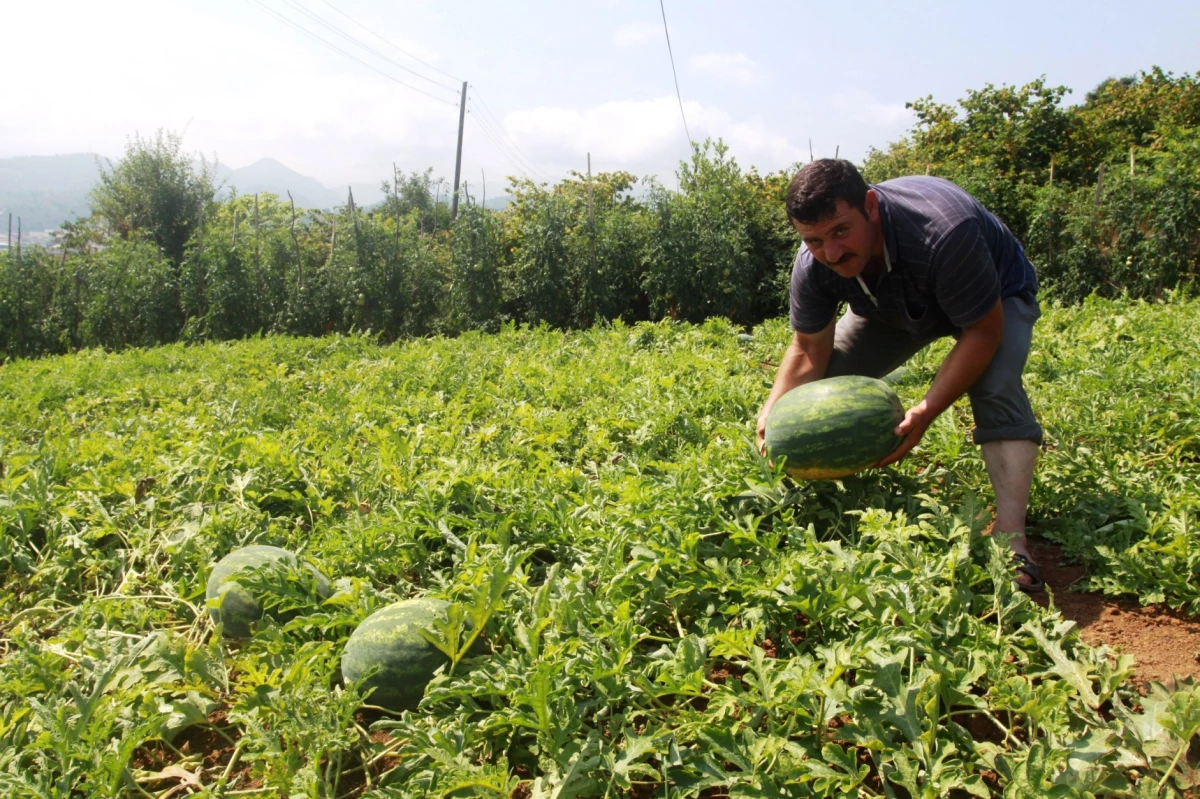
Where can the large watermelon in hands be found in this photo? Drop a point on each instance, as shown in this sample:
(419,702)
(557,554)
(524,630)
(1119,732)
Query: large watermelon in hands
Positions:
(232,604)
(387,648)
(834,427)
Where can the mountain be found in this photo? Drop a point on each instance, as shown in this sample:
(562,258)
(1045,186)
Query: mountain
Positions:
(499,203)
(268,175)
(46,190)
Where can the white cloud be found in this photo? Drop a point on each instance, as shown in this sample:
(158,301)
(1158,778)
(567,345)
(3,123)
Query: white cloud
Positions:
(733,67)
(859,105)
(636,34)
(644,135)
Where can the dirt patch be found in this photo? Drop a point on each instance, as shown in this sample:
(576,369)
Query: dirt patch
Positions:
(1164,642)
(205,751)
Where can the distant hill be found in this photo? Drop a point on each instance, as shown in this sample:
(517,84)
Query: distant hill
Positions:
(269,175)
(499,203)
(46,190)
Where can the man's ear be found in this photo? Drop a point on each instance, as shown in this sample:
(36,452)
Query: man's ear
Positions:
(871,206)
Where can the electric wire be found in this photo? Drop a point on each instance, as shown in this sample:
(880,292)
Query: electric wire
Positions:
(493,130)
(499,147)
(674,73)
(389,44)
(496,146)
(331,46)
(299,7)
(524,164)
(499,125)
(510,147)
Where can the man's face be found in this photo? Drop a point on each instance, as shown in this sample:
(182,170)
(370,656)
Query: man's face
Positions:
(846,239)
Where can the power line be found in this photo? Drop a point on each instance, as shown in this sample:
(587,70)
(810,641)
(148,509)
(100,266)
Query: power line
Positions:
(389,44)
(673,72)
(495,144)
(331,46)
(511,149)
(499,125)
(371,50)
(499,146)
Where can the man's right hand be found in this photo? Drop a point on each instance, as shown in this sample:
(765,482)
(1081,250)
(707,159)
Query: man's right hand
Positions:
(806,359)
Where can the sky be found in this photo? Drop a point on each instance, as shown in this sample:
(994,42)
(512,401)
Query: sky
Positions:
(549,82)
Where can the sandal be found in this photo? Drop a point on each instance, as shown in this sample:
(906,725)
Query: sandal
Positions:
(1030,569)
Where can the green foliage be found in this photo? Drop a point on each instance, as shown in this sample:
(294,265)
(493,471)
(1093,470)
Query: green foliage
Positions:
(585,250)
(539,281)
(474,292)
(1104,195)
(156,189)
(658,610)
(702,260)
(419,196)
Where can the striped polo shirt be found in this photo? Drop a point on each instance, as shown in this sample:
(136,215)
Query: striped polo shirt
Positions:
(950,257)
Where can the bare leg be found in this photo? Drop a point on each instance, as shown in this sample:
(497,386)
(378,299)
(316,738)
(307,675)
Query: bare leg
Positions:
(1010,468)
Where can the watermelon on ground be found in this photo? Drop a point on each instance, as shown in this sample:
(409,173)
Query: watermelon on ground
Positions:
(388,650)
(231,604)
(834,427)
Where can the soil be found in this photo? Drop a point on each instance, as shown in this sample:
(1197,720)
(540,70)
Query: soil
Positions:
(1164,642)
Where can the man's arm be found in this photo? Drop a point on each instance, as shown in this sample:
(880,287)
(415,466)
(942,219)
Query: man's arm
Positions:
(967,360)
(806,360)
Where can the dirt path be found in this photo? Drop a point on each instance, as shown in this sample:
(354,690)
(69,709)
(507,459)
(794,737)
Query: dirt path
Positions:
(1164,642)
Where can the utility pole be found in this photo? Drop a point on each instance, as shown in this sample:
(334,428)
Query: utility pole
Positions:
(462,117)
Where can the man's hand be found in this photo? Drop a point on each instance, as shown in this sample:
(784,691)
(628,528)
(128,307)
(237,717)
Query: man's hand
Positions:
(761,435)
(967,360)
(912,427)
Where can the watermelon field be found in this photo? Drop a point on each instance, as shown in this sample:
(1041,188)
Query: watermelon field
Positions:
(655,610)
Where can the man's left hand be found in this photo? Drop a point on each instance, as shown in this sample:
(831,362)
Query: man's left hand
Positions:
(912,427)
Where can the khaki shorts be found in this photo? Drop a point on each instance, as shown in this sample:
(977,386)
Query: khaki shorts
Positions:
(1001,408)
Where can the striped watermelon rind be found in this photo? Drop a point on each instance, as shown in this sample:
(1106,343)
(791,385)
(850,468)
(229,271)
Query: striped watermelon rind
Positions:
(232,605)
(387,655)
(834,427)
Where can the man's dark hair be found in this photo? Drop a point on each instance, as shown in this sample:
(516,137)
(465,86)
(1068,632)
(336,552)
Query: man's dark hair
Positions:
(816,188)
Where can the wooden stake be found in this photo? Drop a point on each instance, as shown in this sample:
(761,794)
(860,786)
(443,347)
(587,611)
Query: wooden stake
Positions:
(591,216)
(437,203)
(1050,222)
(810,154)
(484,178)
(396,199)
(1132,188)
(837,150)
(296,243)
(354,216)
(1099,188)
(256,247)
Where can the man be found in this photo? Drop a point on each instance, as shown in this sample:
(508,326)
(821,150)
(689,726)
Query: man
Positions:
(915,259)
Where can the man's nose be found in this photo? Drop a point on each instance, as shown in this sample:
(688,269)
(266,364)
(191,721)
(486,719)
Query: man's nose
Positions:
(833,253)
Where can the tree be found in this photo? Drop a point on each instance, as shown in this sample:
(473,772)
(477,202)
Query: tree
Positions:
(156,189)
(419,193)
